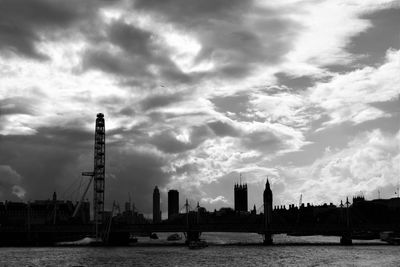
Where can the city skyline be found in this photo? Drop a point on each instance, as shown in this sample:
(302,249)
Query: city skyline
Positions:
(303,92)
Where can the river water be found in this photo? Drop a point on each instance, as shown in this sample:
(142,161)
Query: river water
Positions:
(225,249)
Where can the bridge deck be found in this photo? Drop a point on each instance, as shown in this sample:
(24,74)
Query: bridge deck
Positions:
(233,227)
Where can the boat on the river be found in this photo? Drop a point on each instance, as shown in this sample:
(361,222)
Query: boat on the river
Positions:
(174,237)
(86,241)
(364,235)
(390,237)
(153,236)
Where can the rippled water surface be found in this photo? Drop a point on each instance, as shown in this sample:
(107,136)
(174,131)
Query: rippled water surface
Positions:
(224,250)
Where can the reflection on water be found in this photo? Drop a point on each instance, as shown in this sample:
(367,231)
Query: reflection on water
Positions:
(223,251)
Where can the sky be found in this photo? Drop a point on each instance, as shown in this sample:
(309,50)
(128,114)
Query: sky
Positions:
(195,93)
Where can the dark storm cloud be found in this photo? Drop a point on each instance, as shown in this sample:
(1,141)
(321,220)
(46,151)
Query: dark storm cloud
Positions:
(301,83)
(236,107)
(16,105)
(135,172)
(375,41)
(114,63)
(262,141)
(127,111)
(258,140)
(187,169)
(233,103)
(192,11)
(55,157)
(137,59)
(133,40)
(161,100)
(23,23)
(238,52)
(46,161)
(223,29)
(66,136)
(223,129)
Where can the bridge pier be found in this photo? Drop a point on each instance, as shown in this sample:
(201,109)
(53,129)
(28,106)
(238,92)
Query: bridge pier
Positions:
(192,236)
(267,239)
(345,239)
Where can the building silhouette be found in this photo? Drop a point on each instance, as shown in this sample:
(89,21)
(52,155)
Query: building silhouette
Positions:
(42,212)
(173,203)
(267,197)
(267,201)
(156,206)
(240,195)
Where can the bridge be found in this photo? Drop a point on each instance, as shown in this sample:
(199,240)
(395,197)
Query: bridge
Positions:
(120,233)
(194,231)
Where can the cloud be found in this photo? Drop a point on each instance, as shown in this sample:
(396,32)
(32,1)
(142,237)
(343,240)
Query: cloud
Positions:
(301,82)
(16,109)
(229,34)
(372,44)
(367,164)
(16,105)
(323,44)
(175,142)
(47,161)
(24,24)
(161,100)
(348,97)
(223,129)
(53,160)
(10,182)
(135,171)
(133,53)
(218,201)
(194,92)
(18,191)
(287,108)
(197,11)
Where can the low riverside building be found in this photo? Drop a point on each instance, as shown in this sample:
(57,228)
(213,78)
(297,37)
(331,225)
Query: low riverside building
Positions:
(42,212)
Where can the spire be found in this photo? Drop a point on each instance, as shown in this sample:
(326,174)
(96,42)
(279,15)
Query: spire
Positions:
(267,184)
(347,202)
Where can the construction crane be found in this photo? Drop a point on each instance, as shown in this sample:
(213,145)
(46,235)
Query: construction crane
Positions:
(91,174)
(108,226)
(300,200)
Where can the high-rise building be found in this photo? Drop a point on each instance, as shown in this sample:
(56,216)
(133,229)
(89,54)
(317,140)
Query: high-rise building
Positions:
(240,196)
(156,206)
(173,203)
